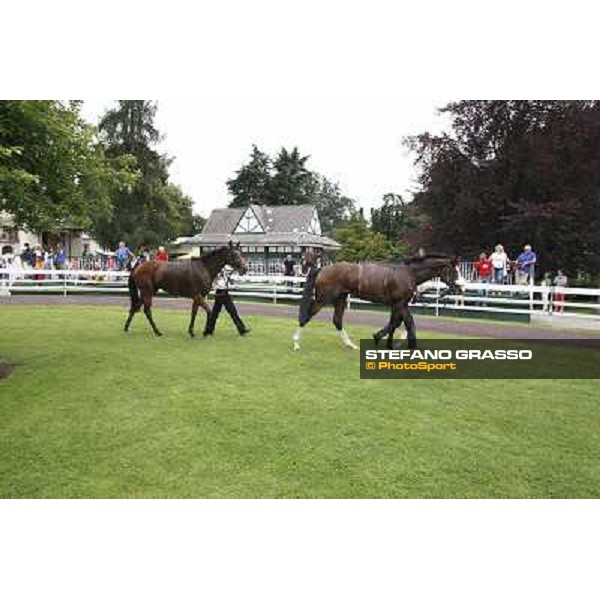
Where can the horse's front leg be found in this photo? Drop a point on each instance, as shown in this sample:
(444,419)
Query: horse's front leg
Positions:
(198,301)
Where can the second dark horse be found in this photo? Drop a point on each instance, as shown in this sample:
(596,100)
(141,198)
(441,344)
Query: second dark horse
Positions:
(393,284)
(190,279)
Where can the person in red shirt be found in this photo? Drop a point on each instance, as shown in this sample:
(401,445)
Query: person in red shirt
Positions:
(161,255)
(484,269)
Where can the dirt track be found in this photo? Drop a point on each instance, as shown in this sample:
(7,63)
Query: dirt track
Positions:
(430,324)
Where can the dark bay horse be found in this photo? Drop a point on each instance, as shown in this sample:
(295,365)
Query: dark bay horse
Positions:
(190,279)
(392,284)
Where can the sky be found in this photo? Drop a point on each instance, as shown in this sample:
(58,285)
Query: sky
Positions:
(344,81)
(354,139)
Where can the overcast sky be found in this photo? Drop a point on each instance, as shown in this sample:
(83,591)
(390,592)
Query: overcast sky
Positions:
(342,80)
(353,138)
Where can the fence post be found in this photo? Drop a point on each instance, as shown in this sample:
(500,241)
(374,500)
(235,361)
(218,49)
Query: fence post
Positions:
(275,291)
(531,294)
(437,298)
(64,276)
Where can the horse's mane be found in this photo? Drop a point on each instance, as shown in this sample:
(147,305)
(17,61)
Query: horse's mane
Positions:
(411,260)
(209,255)
(417,259)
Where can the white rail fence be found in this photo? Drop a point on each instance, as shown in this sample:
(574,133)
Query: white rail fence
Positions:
(482,297)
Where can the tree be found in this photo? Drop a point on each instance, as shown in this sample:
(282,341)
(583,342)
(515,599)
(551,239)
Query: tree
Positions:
(287,180)
(292,182)
(392,219)
(198,223)
(153,210)
(251,182)
(515,172)
(54,173)
(334,208)
(359,243)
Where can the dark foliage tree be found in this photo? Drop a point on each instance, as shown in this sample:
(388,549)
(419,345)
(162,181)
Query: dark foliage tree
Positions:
(514,172)
(251,182)
(287,180)
(54,173)
(392,218)
(291,182)
(153,210)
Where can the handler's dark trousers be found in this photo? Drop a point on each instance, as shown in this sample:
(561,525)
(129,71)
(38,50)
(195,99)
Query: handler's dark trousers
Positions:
(222,298)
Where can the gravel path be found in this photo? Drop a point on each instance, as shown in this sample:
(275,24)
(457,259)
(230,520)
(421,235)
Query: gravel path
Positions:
(446,326)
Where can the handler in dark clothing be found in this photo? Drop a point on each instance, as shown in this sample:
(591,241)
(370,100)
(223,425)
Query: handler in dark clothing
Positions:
(222,298)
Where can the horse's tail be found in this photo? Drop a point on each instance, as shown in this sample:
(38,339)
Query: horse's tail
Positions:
(307,296)
(134,292)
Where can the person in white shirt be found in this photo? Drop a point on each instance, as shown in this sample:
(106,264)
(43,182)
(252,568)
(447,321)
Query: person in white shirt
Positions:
(500,263)
(223,299)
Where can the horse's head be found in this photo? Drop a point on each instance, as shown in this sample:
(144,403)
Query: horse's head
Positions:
(235,259)
(451,276)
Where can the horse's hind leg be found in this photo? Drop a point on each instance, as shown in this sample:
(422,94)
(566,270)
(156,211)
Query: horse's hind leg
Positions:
(315,307)
(147,298)
(338,321)
(198,301)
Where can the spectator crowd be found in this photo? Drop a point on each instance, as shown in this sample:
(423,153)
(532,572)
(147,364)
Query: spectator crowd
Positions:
(499,269)
(41,258)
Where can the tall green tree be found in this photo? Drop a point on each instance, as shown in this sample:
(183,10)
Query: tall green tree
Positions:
(392,218)
(251,182)
(287,180)
(334,208)
(54,173)
(291,182)
(154,210)
(514,172)
(360,243)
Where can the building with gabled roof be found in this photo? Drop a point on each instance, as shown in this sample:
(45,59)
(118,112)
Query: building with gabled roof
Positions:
(266,234)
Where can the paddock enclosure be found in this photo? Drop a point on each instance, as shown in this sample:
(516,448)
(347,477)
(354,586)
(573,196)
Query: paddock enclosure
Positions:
(88,411)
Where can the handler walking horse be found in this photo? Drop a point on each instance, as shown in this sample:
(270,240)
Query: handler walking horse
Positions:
(392,284)
(190,279)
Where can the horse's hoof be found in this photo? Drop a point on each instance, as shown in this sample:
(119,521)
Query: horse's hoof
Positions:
(158,334)
(192,334)
(296,346)
(376,339)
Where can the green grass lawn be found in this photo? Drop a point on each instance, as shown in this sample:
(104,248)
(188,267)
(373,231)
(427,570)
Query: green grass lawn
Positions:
(92,412)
